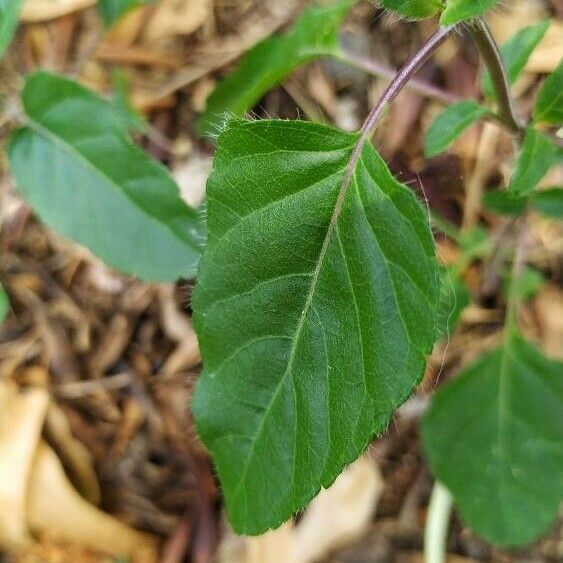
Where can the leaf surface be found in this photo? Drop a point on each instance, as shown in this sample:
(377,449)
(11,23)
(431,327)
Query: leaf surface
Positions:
(549,202)
(9,15)
(534,160)
(84,177)
(516,52)
(413,9)
(450,124)
(454,298)
(314,35)
(494,437)
(461,10)
(315,307)
(4,304)
(549,103)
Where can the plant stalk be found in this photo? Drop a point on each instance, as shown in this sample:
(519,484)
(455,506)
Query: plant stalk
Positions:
(437,524)
(490,53)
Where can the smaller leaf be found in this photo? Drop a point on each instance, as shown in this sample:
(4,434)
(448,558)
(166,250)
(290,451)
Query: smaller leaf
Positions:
(9,15)
(475,243)
(413,9)
(549,103)
(549,202)
(535,159)
(493,436)
(503,203)
(111,11)
(314,35)
(516,52)
(454,298)
(525,286)
(461,10)
(4,304)
(450,124)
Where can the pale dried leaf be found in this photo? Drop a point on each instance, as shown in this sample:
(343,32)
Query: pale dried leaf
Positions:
(177,17)
(42,10)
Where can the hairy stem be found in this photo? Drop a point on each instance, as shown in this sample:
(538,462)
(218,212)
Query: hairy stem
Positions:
(380,70)
(489,50)
(403,77)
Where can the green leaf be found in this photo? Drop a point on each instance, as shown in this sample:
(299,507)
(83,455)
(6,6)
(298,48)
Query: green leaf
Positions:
(454,298)
(9,16)
(534,161)
(132,120)
(493,436)
(461,10)
(314,35)
(475,243)
(83,176)
(450,124)
(4,304)
(111,11)
(516,52)
(503,203)
(315,307)
(414,9)
(549,202)
(525,286)
(549,103)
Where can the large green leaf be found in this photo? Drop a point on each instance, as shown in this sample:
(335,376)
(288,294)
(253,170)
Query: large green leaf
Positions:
(494,437)
(414,9)
(516,52)
(111,11)
(461,10)
(549,104)
(450,124)
(315,307)
(4,304)
(315,34)
(83,176)
(549,202)
(9,15)
(534,160)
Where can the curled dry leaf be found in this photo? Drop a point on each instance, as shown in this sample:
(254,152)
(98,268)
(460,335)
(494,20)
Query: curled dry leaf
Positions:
(21,419)
(177,17)
(42,10)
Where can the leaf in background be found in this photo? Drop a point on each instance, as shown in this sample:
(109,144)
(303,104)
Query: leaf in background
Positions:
(414,9)
(493,436)
(475,243)
(549,202)
(9,15)
(526,285)
(111,11)
(454,298)
(314,35)
(450,124)
(549,103)
(315,307)
(461,10)
(516,52)
(76,167)
(503,203)
(535,159)
(4,304)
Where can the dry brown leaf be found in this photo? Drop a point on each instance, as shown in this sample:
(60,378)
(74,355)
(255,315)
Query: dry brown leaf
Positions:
(549,309)
(63,514)
(177,17)
(42,10)
(21,419)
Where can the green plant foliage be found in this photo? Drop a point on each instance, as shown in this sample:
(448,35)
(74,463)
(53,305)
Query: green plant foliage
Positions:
(493,436)
(526,285)
(4,304)
(80,172)
(9,15)
(413,9)
(132,120)
(454,298)
(516,52)
(534,160)
(111,11)
(461,10)
(315,307)
(314,35)
(450,124)
(549,202)
(475,243)
(549,103)
(504,203)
